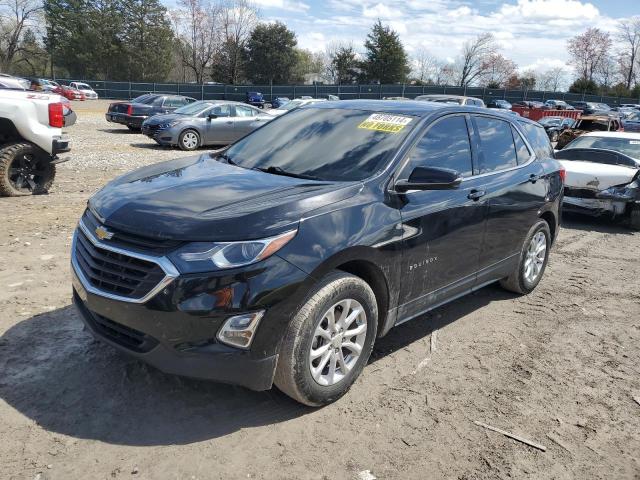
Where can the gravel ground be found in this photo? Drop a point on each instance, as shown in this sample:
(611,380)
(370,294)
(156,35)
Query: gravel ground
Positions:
(559,367)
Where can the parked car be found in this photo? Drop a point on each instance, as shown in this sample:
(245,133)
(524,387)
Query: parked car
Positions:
(293,104)
(7,82)
(282,258)
(625,112)
(134,113)
(86,89)
(204,123)
(72,94)
(255,98)
(499,103)
(557,105)
(589,123)
(31,137)
(452,99)
(554,126)
(528,104)
(591,108)
(632,123)
(279,102)
(635,106)
(603,175)
(396,98)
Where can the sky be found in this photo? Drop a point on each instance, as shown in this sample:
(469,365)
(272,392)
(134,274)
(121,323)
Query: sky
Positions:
(533,33)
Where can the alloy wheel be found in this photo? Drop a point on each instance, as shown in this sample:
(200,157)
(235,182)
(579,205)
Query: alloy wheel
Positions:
(535,257)
(26,173)
(338,342)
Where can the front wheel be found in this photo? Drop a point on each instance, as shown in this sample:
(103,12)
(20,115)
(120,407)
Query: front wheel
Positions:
(24,170)
(189,140)
(329,340)
(533,260)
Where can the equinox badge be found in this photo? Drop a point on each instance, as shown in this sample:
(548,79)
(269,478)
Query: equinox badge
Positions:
(103,234)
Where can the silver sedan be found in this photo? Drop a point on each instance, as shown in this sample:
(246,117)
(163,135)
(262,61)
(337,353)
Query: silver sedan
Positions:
(207,122)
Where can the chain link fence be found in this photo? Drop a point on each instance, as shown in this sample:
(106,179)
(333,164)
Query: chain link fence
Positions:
(129,90)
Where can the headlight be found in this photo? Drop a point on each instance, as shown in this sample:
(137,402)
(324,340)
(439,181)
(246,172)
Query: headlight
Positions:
(162,126)
(203,256)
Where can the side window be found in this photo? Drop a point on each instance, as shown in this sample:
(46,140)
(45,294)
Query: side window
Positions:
(174,102)
(446,145)
(497,150)
(522,152)
(244,111)
(221,110)
(538,139)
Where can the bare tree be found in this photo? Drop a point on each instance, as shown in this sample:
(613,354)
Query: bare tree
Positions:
(607,71)
(239,18)
(424,66)
(15,17)
(589,52)
(497,69)
(473,60)
(552,79)
(197,25)
(629,37)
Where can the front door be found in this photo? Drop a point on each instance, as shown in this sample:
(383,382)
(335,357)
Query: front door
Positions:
(219,125)
(443,229)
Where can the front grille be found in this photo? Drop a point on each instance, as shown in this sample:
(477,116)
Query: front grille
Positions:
(150,130)
(115,273)
(116,332)
(128,240)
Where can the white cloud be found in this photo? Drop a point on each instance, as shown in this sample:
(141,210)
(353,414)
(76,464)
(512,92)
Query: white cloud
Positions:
(290,5)
(532,10)
(381,11)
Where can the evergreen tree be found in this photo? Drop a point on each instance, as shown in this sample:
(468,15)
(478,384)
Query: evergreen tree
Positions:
(386,60)
(271,54)
(345,65)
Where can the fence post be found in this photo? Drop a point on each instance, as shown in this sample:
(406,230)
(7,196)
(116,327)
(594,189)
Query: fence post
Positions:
(339,92)
(403,85)
(129,90)
(271,91)
(224,93)
(316,85)
(294,91)
(154,87)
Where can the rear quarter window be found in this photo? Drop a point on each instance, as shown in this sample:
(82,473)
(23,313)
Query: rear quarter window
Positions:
(538,139)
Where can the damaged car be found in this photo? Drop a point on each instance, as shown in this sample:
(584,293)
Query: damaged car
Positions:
(589,123)
(603,175)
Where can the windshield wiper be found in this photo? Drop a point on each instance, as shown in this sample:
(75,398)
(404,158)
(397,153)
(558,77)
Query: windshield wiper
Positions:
(279,171)
(226,157)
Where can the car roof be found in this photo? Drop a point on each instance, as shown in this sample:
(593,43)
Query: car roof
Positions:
(622,135)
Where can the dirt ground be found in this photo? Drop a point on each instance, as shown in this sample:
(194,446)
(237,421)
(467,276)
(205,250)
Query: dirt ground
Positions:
(559,367)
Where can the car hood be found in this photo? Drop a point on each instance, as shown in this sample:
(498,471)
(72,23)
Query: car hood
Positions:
(201,199)
(596,176)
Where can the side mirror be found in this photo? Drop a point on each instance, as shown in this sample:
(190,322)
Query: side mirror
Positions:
(430,178)
(212,116)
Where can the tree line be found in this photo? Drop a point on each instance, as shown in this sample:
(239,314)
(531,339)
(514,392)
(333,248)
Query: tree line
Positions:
(225,41)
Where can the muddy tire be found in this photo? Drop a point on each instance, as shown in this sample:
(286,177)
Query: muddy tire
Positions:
(533,261)
(24,170)
(328,341)
(189,140)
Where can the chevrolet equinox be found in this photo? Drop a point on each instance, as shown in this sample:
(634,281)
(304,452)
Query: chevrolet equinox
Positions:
(282,258)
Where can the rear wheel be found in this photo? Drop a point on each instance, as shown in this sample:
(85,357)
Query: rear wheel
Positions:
(189,140)
(533,260)
(328,342)
(25,170)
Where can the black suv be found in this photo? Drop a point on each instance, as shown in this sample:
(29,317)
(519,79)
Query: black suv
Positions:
(282,258)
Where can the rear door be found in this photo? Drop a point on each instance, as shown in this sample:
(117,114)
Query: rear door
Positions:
(244,120)
(515,190)
(443,229)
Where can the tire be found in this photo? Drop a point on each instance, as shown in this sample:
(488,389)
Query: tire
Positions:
(521,281)
(634,218)
(293,373)
(184,140)
(133,129)
(25,170)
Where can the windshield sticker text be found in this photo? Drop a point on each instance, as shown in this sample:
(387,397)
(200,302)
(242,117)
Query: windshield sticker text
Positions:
(381,122)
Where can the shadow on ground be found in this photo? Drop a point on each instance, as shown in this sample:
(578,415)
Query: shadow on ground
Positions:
(124,130)
(602,224)
(56,374)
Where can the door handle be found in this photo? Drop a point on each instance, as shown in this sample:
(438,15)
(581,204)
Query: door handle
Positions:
(533,178)
(476,195)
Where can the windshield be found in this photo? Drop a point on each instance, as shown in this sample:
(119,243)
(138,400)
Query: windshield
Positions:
(146,99)
(83,86)
(457,101)
(194,108)
(626,146)
(324,144)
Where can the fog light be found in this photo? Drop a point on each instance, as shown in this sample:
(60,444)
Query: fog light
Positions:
(238,331)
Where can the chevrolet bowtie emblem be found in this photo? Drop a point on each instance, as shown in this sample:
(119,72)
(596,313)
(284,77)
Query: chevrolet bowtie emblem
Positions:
(103,234)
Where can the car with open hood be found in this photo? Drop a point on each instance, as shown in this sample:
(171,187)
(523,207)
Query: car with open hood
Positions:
(554,126)
(202,123)
(282,258)
(603,175)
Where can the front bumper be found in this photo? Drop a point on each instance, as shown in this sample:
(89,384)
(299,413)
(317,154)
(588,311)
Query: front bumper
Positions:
(175,330)
(133,121)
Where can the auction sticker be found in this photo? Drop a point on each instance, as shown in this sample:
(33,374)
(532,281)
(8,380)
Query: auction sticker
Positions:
(382,122)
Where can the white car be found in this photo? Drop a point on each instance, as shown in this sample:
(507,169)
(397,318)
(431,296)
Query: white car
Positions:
(603,175)
(297,103)
(85,88)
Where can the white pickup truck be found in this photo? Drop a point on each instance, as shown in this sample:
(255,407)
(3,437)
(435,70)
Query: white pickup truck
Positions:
(31,138)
